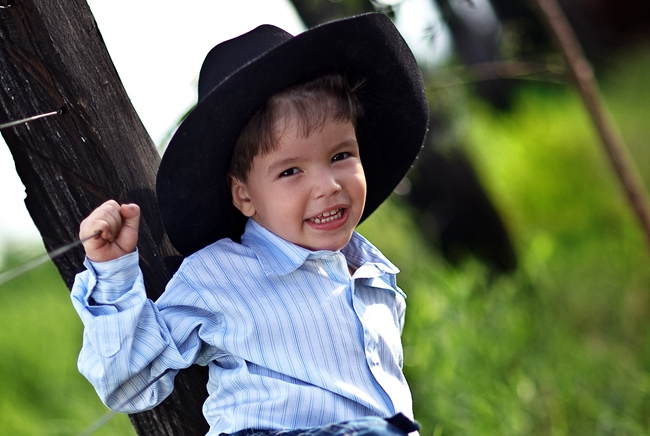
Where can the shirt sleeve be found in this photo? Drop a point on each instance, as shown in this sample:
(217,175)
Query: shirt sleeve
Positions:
(127,341)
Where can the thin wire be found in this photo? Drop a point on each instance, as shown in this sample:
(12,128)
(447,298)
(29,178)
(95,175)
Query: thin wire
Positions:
(10,3)
(98,424)
(11,274)
(28,266)
(15,272)
(107,417)
(28,119)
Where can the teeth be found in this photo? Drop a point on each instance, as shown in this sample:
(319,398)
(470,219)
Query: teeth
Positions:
(328,216)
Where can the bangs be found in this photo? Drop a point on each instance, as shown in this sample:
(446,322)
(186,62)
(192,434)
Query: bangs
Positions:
(313,103)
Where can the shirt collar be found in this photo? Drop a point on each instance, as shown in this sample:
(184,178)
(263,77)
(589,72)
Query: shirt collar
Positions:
(280,257)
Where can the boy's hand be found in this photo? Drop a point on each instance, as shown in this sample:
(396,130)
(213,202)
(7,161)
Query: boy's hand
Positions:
(118,225)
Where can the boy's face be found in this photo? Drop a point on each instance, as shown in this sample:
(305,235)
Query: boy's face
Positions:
(309,191)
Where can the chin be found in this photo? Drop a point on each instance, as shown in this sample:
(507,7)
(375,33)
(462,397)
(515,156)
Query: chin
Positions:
(332,245)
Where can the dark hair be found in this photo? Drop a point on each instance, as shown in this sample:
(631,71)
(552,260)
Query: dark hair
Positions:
(311,104)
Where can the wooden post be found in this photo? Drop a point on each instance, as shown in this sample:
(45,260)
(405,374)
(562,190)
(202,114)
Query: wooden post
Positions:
(52,56)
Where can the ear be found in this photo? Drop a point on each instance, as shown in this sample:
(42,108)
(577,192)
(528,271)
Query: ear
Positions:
(241,198)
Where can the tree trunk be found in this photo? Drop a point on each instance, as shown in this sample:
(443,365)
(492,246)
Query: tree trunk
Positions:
(52,56)
(318,12)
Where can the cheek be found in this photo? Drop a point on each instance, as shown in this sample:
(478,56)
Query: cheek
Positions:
(288,202)
(360,181)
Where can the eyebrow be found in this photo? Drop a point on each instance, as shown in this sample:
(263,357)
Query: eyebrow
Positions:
(282,164)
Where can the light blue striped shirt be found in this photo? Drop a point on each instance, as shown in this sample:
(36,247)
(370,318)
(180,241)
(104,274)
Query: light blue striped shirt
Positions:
(291,340)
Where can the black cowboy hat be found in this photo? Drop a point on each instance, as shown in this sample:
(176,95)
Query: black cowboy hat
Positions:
(240,74)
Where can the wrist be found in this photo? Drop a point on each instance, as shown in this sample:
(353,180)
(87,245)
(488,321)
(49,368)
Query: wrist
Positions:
(114,277)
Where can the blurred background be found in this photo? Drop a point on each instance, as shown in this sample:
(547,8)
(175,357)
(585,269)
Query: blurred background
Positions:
(527,273)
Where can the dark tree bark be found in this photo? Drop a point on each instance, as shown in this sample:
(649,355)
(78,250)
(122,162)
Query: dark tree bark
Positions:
(315,12)
(52,56)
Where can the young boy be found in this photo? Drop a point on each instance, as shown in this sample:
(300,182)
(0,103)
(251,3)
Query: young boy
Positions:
(296,315)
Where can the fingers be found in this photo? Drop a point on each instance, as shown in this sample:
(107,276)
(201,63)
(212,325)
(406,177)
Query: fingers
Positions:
(128,236)
(106,220)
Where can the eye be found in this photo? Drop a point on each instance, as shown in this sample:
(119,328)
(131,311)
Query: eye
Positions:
(341,156)
(289,172)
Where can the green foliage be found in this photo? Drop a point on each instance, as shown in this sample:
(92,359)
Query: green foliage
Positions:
(561,347)
(41,391)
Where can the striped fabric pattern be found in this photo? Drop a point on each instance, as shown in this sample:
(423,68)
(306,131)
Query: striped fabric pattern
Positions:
(290,338)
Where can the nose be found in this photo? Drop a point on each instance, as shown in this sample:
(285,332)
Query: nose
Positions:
(325,183)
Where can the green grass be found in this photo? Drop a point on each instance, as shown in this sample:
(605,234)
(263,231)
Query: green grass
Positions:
(560,347)
(41,391)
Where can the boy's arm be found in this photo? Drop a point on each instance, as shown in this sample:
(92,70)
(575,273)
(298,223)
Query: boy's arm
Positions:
(126,342)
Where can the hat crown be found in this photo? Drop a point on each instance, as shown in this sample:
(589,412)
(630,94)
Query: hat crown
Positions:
(229,56)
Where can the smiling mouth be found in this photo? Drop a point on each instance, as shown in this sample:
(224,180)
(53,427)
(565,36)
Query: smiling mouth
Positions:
(327,217)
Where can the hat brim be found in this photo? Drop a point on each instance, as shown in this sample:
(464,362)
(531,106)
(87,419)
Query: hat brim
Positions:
(192,188)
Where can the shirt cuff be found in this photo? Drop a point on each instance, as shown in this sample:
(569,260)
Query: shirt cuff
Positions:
(113,278)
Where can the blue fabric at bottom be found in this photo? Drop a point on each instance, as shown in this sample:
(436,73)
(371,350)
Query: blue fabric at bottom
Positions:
(398,425)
